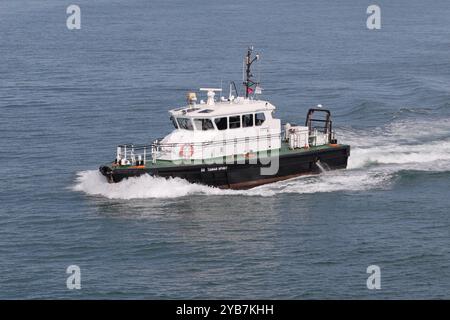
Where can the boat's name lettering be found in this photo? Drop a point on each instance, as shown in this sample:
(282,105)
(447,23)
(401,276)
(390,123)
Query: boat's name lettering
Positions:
(213,169)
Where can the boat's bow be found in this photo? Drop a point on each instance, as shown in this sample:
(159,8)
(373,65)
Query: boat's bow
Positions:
(107,171)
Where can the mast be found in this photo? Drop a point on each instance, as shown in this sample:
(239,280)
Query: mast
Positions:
(248,82)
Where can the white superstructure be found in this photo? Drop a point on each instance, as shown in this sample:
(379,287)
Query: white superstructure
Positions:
(221,128)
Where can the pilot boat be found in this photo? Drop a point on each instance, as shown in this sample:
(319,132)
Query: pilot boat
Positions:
(233,143)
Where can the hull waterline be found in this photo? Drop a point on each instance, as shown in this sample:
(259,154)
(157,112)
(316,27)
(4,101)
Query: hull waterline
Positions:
(241,175)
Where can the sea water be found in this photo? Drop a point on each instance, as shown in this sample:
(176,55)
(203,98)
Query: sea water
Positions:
(68,97)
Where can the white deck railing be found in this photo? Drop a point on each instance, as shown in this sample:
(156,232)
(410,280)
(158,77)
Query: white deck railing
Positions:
(129,154)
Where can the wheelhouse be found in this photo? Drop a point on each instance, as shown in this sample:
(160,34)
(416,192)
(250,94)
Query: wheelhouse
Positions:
(236,121)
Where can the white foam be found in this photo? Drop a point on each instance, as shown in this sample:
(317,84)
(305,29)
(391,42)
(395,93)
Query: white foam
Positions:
(408,145)
(332,181)
(93,183)
(420,157)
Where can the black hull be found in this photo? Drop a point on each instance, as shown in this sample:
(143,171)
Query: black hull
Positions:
(242,176)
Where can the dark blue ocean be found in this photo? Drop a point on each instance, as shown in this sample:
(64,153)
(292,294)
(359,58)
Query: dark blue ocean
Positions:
(68,97)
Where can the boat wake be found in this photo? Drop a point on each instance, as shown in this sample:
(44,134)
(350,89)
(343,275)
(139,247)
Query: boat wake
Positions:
(377,158)
(404,145)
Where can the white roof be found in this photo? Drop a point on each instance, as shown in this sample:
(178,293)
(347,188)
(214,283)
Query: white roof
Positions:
(222,108)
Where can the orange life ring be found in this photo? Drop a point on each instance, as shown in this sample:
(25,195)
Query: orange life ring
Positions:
(183,152)
(249,155)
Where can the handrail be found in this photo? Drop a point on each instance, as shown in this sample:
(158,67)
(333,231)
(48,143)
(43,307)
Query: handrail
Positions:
(194,144)
(130,154)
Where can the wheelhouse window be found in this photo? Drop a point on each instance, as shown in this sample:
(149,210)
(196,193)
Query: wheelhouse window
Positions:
(221,123)
(247,120)
(203,124)
(259,119)
(185,123)
(235,122)
(175,124)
